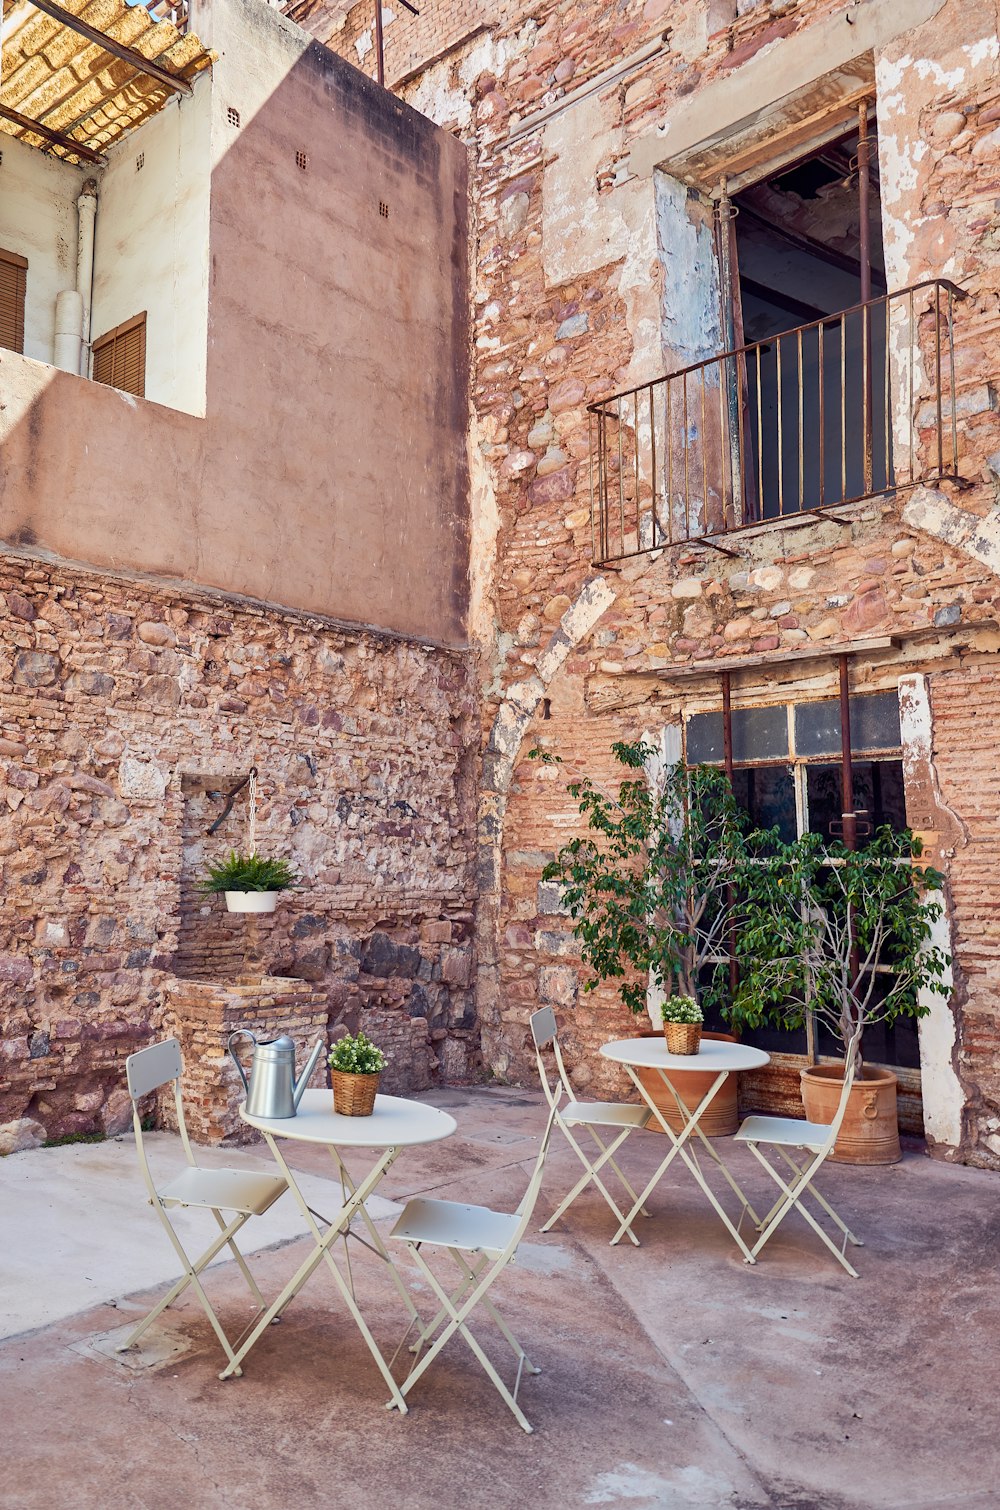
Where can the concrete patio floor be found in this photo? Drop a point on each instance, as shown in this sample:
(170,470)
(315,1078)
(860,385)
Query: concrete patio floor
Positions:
(672,1375)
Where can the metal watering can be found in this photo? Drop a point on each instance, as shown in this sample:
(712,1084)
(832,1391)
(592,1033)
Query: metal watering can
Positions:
(273,1090)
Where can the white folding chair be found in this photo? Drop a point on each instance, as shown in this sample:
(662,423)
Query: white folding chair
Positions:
(588,1114)
(816,1141)
(242,1192)
(491,1239)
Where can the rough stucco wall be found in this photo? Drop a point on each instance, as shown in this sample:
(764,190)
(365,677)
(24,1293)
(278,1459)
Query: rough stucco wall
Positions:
(151,247)
(125,707)
(561,322)
(38,221)
(330,472)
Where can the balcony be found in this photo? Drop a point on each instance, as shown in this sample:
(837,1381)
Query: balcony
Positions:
(857,405)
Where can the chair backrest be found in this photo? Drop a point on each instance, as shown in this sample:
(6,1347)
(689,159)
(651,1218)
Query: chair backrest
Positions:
(850,1065)
(150,1068)
(543,1031)
(146,1071)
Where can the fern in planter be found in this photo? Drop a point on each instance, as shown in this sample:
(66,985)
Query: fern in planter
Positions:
(249,873)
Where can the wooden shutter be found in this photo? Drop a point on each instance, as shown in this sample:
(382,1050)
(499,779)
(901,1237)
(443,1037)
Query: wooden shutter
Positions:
(120,356)
(13,279)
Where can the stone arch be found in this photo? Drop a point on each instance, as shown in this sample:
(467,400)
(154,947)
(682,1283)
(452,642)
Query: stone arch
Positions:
(510,724)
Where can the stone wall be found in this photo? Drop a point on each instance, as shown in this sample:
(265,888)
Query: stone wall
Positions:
(583,285)
(202,1016)
(127,711)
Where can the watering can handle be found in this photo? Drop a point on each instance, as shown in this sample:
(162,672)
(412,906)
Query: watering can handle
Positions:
(240,1033)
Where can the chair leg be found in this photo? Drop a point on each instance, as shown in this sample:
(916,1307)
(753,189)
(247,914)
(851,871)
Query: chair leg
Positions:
(190,1277)
(592,1173)
(855,1241)
(455,1324)
(241,1261)
(614,1165)
(792,1197)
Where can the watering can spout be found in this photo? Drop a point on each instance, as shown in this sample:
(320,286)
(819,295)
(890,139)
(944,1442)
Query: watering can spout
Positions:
(306,1075)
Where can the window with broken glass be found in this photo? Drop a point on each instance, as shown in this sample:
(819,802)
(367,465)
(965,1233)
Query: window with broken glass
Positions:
(787,774)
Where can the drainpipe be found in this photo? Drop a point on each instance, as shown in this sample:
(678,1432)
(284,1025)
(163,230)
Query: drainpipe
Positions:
(87,211)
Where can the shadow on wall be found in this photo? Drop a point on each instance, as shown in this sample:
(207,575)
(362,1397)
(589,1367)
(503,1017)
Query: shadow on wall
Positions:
(329,474)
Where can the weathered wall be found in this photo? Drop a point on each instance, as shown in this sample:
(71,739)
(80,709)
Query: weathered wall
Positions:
(151,248)
(579,293)
(124,707)
(38,221)
(329,473)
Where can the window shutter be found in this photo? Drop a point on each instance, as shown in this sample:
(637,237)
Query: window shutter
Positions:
(120,357)
(13,281)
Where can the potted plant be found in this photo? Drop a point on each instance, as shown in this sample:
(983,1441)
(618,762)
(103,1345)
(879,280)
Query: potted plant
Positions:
(682,1020)
(651,890)
(847,935)
(355,1066)
(249,882)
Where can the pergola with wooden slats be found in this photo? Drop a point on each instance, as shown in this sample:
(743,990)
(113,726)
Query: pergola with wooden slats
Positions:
(77,75)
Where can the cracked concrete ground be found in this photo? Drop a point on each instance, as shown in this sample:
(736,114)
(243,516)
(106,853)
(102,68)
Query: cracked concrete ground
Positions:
(672,1375)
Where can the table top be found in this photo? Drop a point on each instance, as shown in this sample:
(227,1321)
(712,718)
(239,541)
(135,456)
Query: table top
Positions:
(395,1123)
(712,1056)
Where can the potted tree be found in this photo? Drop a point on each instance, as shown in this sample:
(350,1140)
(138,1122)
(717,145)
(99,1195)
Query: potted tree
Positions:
(250,883)
(848,935)
(650,888)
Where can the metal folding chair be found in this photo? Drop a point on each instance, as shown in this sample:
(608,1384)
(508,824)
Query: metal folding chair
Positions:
(588,1114)
(816,1140)
(491,1239)
(244,1193)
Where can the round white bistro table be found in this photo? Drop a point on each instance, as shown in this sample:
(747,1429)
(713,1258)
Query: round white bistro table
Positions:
(722,1058)
(395,1124)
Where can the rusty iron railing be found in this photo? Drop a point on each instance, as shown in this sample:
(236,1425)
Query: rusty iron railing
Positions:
(852,406)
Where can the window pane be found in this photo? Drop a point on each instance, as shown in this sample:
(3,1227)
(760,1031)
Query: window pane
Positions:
(874,724)
(767,794)
(704,738)
(760,733)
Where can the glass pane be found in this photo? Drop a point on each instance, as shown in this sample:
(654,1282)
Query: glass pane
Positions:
(874,724)
(704,738)
(760,733)
(767,793)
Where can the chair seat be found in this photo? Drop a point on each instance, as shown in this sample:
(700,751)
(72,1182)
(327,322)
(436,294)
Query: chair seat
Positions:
(605,1114)
(789,1132)
(453,1225)
(224,1189)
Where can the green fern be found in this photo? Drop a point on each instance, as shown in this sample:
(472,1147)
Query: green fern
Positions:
(249,873)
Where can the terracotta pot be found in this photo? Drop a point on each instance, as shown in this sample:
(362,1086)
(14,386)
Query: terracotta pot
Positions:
(869,1133)
(722,1117)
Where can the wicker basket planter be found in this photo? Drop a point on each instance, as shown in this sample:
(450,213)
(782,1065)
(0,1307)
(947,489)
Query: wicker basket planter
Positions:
(353,1095)
(682,1037)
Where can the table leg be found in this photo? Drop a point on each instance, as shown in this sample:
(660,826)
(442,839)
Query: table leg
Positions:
(691,1126)
(320,1252)
(376,1242)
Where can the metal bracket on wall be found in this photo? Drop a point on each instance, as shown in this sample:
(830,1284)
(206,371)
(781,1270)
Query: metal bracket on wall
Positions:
(231,798)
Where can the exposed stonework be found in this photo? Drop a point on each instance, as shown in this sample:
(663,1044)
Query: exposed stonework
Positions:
(587,280)
(128,711)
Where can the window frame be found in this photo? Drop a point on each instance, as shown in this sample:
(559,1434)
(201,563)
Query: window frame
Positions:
(110,338)
(20,264)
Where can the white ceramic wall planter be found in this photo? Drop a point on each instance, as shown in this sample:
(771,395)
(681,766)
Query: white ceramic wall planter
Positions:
(252,901)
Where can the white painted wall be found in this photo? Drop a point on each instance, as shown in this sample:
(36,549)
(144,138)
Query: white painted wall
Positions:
(152,246)
(38,220)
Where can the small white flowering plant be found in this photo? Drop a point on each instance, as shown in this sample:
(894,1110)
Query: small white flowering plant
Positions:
(681,1009)
(356,1056)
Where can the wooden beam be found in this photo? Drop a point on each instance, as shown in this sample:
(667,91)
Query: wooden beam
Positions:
(54,138)
(775,660)
(116,49)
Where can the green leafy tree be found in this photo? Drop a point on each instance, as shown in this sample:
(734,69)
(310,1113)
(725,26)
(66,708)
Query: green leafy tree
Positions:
(846,934)
(651,885)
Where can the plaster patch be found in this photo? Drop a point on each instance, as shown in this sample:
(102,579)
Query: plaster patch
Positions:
(979,52)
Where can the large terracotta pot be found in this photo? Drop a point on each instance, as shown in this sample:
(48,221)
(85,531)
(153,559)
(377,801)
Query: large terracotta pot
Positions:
(869,1133)
(722,1117)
